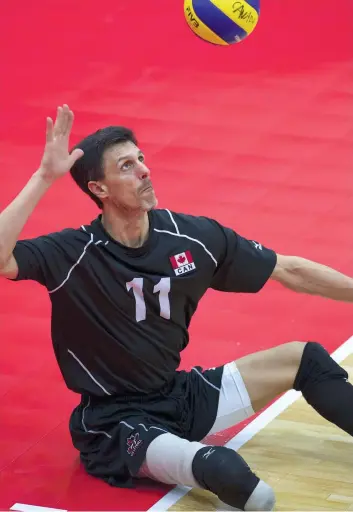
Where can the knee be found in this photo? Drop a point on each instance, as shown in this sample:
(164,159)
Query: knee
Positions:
(316,365)
(225,473)
(287,361)
(293,352)
(285,364)
(289,358)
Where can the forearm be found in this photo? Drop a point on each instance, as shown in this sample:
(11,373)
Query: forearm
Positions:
(15,216)
(306,276)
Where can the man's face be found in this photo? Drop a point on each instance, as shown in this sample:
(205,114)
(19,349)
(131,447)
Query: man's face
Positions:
(127,180)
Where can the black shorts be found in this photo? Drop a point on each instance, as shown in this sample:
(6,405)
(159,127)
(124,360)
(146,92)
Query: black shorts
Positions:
(112,436)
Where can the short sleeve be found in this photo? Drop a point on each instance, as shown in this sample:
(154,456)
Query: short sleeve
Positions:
(244,265)
(30,256)
(44,259)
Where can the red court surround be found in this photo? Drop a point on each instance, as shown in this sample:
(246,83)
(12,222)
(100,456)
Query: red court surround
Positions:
(257,135)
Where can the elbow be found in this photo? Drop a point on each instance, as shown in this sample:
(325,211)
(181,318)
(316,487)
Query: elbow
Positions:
(287,270)
(289,273)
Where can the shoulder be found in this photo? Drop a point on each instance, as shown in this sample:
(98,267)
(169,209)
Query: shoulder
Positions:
(69,241)
(67,237)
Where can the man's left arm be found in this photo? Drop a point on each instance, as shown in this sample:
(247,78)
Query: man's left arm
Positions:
(305,276)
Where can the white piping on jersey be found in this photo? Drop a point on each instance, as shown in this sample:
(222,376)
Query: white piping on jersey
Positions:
(73,266)
(99,241)
(124,423)
(88,372)
(203,378)
(175,224)
(144,426)
(156,428)
(120,422)
(92,431)
(189,238)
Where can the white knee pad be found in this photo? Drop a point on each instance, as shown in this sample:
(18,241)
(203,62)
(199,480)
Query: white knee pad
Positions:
(169,460)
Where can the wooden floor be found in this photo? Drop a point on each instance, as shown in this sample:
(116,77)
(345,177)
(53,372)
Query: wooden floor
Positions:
(307,461)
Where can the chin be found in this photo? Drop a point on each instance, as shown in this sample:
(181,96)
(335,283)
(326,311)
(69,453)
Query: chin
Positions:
(150,204)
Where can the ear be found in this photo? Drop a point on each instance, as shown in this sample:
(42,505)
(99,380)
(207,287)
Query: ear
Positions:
(98,189)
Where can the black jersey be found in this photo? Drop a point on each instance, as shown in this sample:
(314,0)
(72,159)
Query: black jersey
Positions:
(120,316)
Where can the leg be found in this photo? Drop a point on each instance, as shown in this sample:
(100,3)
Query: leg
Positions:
(248,385)
(306,367)
(251,382)
(271,372)
(217,469)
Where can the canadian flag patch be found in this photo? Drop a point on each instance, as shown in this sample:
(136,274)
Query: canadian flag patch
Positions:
(182,263)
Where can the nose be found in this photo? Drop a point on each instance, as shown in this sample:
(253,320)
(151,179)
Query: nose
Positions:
(143,171)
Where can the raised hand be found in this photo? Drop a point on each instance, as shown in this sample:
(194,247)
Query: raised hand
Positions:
(57,160)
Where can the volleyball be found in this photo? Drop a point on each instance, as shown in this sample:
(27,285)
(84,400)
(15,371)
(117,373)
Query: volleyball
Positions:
(222,22)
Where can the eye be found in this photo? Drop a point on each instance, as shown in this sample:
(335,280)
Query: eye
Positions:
(141,158)
(126,165)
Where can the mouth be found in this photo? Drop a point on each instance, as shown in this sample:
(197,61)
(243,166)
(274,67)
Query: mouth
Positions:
(147,189)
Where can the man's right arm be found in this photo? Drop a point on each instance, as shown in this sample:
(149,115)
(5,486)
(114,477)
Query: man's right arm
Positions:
(14,218)
(56,162)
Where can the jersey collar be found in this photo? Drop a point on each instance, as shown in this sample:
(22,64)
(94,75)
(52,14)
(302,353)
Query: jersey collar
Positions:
(97,229)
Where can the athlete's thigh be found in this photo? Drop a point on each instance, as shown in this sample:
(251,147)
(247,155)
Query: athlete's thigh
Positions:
(270,372)
(251,382)
(200,402)
(234,404)
(116,451)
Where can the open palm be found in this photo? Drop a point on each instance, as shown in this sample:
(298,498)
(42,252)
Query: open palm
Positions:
(57,160)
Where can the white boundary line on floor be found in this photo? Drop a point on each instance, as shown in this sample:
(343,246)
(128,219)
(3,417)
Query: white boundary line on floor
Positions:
(21,507)
(251,429)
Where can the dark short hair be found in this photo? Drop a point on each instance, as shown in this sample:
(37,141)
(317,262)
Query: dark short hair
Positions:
(90,166)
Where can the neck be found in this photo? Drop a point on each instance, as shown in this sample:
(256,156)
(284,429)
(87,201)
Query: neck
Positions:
(129,229)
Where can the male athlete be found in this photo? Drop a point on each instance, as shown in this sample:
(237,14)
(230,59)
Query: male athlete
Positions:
(124,289)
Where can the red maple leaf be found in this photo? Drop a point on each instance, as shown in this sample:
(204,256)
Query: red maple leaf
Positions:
(181,259)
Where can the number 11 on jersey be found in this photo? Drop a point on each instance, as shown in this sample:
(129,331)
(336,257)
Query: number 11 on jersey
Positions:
(163,288)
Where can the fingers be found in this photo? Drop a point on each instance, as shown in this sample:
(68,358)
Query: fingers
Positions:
(70,120)
(58,122)
(66,119)
(49,130)
(75,155)
(63,122)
